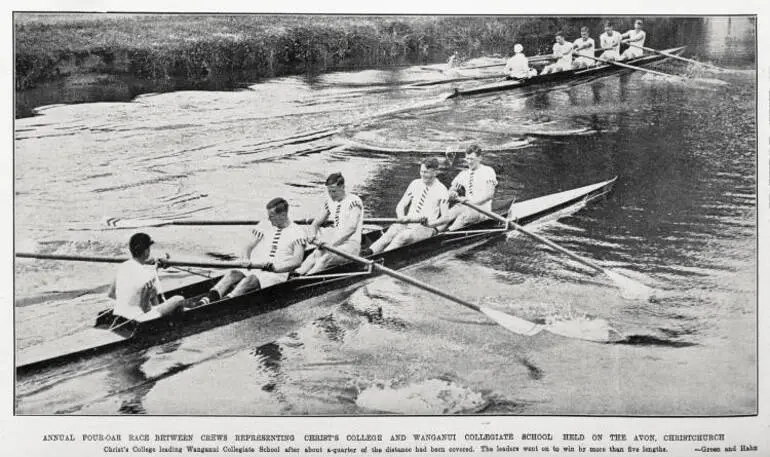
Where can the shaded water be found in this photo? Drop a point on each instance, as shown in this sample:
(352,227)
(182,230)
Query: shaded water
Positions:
(682,216)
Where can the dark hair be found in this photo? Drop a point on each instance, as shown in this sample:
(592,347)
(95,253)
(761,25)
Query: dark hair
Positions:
(561,34)
(430,163)
(584,29)
(139,243)
(474,149)
(281,206)
(335,179)
(608,24)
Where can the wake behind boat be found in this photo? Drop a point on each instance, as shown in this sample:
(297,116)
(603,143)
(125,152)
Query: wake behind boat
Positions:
(111,332)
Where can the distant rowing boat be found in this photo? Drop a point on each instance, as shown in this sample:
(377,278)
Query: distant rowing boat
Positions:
(565,76)
(111,333)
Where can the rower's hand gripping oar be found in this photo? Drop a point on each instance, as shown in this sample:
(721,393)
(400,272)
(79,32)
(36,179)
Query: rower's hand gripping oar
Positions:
(511,323)
(629,288)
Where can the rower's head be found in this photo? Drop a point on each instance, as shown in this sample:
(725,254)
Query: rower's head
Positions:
(638,24)
(608,27)
(335,186)
(559,37)
(139,245)
(473,156)
(429,170)
(278,212)
(584,32)
(518,48)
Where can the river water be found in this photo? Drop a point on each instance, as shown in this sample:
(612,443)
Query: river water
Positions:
(682,218)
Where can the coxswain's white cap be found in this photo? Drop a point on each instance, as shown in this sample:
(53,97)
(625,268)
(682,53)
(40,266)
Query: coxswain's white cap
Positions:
(518,48)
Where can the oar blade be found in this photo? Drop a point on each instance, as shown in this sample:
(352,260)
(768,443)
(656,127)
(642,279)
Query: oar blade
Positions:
(630,289)
(595,330)
(118,223)
(512,323)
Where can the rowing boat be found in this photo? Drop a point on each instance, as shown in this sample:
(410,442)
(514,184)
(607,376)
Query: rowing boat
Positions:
(110,332)
(569,75)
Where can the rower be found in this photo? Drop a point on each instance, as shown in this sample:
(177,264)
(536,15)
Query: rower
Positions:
(517,66)
(426,200)
(562,51)
(610,43)
(273,251)
(347,214)
(636,36)
(453,61)
(478,183)
(585,49)
(136,285)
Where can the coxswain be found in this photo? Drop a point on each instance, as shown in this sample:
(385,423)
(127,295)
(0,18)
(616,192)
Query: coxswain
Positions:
(477,185)
(136,286)
(517,66)
(424,201)
(585,50)
(635,37)
(610,43)
(272,252)
(346,212)
(562,52)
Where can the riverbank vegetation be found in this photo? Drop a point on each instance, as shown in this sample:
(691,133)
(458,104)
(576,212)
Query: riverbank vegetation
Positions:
(199,47)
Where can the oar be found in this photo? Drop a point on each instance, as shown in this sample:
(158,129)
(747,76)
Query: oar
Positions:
(452,80)
(628,287)
(512,323)
(634,67)
(674,56)
(118,223)
(171,263)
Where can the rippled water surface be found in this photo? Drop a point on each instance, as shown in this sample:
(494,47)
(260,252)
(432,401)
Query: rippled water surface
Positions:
(682,218)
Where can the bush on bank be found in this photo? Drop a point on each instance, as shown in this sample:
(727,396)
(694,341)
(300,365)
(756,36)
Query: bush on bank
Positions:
(196,47)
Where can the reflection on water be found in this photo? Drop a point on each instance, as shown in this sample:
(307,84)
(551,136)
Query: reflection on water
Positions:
(682,216)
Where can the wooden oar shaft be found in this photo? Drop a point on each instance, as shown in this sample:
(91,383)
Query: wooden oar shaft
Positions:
(633,67)
(400,277)
(452,80)
(535,236)
(97,259)
(139,223)
(673,56)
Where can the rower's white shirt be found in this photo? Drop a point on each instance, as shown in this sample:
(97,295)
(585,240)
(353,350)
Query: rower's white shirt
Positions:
(634,35)
(563,51)
(517,66)
(136,288)
(426,200)
(613,41)
(275,245)
(476,181)
(589,51)
(340,213)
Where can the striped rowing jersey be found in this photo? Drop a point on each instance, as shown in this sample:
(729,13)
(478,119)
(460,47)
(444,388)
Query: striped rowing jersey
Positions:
(474,181)
(590,50)
(341,211)
(610,41)
(276,245)
(426,200)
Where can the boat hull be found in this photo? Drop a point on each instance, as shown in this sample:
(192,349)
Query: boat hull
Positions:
(190,321)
